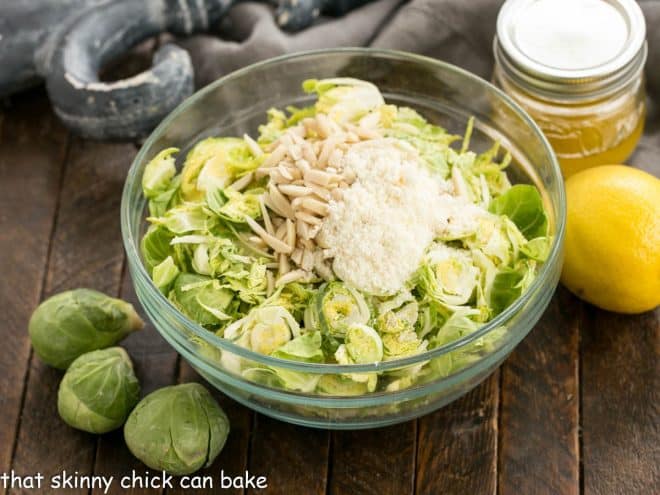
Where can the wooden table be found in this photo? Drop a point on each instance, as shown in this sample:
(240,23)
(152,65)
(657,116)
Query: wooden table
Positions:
(573,410)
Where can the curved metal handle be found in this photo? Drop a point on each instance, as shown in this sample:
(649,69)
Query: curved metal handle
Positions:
(128,108)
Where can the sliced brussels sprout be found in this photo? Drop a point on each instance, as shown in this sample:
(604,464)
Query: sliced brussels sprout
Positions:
(234,206)
(523,204)
(158,173)
(342,356)
(98,391)
(306,347)
(344,99)
(396,345)
(448,275)
(537,249)
(337,306)
(164,274)
(201,298)
(184,218)
(214,163)
(363,344)
(400,320)
(265,329)
(74,322)
(395,302)
(340,385)
(155,245)
(177,429)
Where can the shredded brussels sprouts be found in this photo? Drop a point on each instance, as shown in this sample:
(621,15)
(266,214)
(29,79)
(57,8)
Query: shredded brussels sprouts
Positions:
(226,245)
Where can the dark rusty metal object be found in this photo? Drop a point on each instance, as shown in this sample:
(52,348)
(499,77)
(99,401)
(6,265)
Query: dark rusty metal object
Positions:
(294,15)
(67,42)
(128,108)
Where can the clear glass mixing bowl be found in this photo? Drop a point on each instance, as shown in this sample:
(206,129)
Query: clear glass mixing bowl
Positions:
(444,94)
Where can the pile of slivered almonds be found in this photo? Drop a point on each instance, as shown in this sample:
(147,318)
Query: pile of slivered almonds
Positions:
(306,173)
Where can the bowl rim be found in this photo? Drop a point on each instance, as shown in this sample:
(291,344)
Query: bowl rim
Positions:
(139,272)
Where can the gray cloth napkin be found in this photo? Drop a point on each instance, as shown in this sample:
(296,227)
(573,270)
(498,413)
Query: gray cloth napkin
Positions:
(457,31)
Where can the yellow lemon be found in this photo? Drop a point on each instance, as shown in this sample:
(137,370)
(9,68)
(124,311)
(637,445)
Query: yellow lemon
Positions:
(612,250)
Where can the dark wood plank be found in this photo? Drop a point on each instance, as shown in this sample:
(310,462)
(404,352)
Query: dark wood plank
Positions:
(291,457)
(539,446)
(233,460)
(86,252)
(379,461)
(457,445)
(621,403)
(155,365)
(32,149)
(154,359)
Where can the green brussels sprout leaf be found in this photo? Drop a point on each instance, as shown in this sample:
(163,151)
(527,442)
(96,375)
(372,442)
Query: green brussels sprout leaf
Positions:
(74,322)
(178,429)
(98,391)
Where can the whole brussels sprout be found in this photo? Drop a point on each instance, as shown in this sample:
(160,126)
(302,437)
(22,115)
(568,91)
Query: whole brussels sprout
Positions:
(74,322)
(98,391)
(178,429)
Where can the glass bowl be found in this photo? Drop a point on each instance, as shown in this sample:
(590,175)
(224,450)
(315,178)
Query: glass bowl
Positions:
(444,94)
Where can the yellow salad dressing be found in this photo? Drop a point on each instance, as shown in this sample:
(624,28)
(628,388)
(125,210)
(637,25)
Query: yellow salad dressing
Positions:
(576,67)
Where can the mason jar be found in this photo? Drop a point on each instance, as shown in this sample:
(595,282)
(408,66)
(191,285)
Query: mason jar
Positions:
(576,66)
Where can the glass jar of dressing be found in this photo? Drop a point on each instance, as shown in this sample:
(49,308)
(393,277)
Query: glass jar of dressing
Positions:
(576,66)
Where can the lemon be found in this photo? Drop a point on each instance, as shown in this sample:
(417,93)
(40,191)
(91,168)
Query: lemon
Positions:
(612,250)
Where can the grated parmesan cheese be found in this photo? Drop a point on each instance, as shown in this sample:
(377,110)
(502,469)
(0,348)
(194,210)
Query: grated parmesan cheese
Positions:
(378,232)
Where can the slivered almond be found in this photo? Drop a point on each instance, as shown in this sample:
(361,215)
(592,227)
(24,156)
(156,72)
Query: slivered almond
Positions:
(308,154)
(335,158)
(269,239)
(275,157)
(315,206)
(280,233)
(262,172)
(323,124)
(297,133)
(307,243)
(264,213)
(258,241)
(307,260)
(328,146)
(295,152)
(308,217)
(351,137)
(302,229)
(290,277)
(280,202)
(314,230)
(294,191)
(296,256)
(320,191)
(242,183)
(370,121)
(285,267)
(270,283)
(284,171)
(311,126)
(290,233)
(253,145)
(319,177)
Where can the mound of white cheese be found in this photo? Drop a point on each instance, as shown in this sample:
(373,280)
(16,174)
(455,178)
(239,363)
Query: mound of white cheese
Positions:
(378,232)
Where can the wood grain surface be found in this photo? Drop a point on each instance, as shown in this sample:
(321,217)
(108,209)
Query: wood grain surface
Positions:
(580,370)
(32,150)
(539,445)
(621,403)
(457,450)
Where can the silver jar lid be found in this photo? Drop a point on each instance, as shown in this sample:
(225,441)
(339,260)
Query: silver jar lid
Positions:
(571,48)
